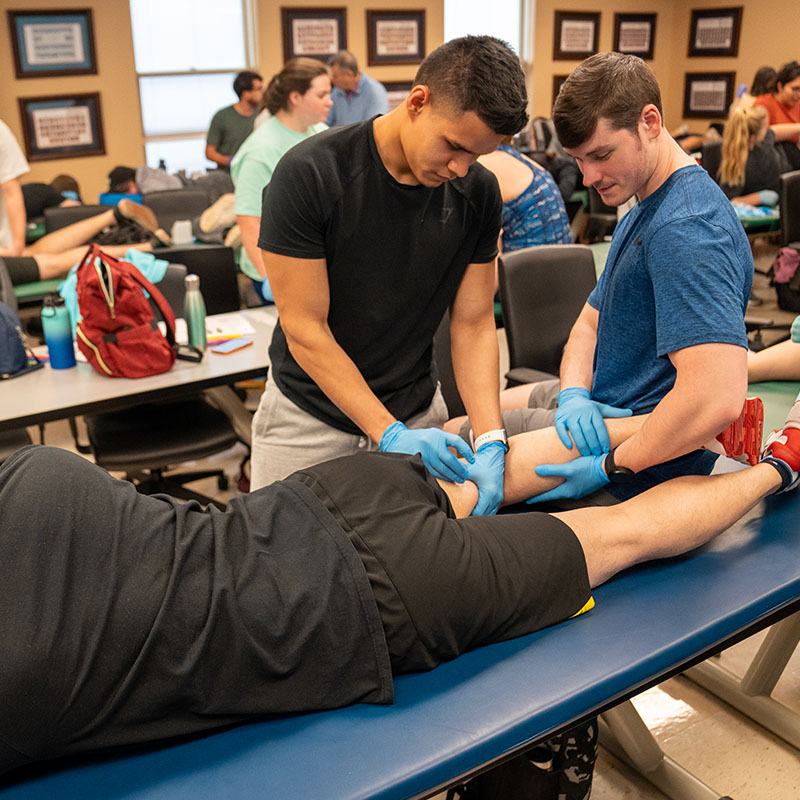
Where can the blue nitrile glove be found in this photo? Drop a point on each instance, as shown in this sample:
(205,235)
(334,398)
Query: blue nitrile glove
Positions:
(768,197)
(581,416)
(432,444)
(581,477)
(487,474)
(796,330)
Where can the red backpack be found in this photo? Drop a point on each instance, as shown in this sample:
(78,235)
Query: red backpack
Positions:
(119,334)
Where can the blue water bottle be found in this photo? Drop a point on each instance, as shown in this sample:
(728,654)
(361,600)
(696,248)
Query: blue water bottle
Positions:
(194,310)
(58,332)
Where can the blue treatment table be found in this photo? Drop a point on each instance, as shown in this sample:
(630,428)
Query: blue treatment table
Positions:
(649,623)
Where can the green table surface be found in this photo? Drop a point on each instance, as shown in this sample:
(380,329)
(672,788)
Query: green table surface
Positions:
(778,397)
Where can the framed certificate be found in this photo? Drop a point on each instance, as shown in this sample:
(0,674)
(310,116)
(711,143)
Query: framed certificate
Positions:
(635,34)
(575,35)
(715,32)
(395,37)
(48,43)
(313,32)
(708,94)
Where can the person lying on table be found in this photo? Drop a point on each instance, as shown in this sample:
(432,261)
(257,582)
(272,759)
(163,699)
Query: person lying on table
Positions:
(128,618)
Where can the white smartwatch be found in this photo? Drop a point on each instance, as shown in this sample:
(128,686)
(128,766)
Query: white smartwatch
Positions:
(498,435)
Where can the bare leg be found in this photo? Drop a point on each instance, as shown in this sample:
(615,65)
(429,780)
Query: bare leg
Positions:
(669,519)
(781,362)
(515,397)
(56,265)
(525,453)
(71,236)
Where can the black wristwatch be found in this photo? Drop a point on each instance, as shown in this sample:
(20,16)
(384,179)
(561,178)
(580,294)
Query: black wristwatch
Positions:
(616,473)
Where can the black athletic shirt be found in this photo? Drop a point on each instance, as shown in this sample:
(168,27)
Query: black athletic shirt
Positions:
(395,257)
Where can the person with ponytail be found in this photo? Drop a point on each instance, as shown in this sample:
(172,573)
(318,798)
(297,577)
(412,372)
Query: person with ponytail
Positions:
(298,99)
(751,165)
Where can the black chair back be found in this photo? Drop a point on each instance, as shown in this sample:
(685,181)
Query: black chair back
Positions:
(173,288)
(174,204)
(711,158)
(57,217)
(215,265)
(542,292)
(789,204)
(444,366)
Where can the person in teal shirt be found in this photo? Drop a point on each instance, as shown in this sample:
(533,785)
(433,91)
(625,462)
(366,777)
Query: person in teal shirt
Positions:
(298,98)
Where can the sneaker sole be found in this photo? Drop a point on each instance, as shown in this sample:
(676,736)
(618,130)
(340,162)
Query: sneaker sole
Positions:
(743,436)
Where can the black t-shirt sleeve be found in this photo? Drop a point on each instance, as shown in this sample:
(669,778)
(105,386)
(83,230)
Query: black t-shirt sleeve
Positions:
(292,216)
(492,216)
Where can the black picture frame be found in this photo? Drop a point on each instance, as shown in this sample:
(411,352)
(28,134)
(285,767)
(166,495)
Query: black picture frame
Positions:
(558,82)
(397,91)
(62,126)
(635,34)
(395,36)
(582,28)
(52,43)
(715,31)
(313,32)
(708,95)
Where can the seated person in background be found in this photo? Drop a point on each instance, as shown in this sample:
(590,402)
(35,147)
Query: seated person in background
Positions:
(763,83)
(533,209)
(231,125)
(306,595)
(751,165)
(39,196)
(783,110)
(57,252)
(12,203)
(298,99)
(122,180)
(692,142)
(355,95)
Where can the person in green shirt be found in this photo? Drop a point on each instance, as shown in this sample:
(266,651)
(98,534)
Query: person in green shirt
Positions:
(298,98)
(231,125)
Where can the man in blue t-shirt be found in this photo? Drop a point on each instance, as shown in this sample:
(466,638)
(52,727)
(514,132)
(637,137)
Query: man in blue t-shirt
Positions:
(663,331)
(355,96)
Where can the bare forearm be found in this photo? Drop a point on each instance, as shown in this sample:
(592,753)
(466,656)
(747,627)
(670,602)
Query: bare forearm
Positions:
(322,358)
(683,421)
(15,211)
(785,130)
(249,227)
(476,365)
(578,358)
(212,154)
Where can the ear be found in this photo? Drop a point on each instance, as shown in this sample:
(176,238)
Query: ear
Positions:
(294,98)
(651,119)
(417,99)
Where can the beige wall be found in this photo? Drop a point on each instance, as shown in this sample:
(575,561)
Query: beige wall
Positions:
(770,34)
(116,79)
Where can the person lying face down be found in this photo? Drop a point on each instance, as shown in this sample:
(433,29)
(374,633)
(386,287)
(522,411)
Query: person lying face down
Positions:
(128,618)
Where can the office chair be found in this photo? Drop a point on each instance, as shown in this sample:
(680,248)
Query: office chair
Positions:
(171,205)
(57,217)
(602,218)
(145,441)
(789,204)
(711,158)
(542,292)
(215,265)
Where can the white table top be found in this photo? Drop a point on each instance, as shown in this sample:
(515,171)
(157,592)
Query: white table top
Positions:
(48,394)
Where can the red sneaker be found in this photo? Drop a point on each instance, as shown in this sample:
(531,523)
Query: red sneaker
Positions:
(743,435)
(782,450)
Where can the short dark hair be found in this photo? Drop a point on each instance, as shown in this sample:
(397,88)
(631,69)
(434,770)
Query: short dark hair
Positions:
(613,86)
(296,76)
(480,74)
(243,82)
(763,81)
(345,60)
(119,178)
(787,73)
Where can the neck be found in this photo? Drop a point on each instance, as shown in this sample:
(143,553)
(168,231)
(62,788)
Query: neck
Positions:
(670,158)
(244,107)
(387,131)
(290,121)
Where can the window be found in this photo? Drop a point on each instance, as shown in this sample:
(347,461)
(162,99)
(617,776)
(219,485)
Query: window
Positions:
(187,54)
(500,18)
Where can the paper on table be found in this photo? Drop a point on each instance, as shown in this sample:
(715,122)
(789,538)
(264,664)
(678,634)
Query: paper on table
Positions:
(228,326)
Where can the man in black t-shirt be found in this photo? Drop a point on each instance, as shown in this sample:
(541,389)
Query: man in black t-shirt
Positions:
(126,618)
(370,232)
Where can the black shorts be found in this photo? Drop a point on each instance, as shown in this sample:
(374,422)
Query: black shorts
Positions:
(22,269)
(445,585)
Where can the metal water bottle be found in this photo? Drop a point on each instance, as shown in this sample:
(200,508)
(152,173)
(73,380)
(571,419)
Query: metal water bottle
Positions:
(58,332)
(194,310)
